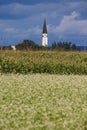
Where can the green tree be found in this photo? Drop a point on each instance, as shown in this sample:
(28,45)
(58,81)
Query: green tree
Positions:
(27,45)
(54,45)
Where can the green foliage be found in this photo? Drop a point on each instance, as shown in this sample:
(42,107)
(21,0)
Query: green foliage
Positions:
(31,45)
(43,62)
(65,46)
(5,48)
(27,45)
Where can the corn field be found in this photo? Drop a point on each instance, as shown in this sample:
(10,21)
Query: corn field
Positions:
(52,62)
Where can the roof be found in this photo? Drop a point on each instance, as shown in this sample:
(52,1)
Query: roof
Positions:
(44,27)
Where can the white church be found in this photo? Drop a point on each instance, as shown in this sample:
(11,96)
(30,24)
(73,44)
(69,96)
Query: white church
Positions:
(44,35)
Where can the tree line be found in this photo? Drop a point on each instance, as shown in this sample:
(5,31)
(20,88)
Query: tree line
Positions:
(31,45)
(66,46)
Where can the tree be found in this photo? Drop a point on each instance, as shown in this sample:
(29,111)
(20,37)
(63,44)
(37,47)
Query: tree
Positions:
(66,46)
(27,45)
(54,45)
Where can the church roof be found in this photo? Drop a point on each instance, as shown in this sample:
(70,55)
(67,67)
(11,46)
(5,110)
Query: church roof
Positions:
(44,27)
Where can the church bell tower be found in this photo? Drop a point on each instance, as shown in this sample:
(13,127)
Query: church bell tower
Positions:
(44,35)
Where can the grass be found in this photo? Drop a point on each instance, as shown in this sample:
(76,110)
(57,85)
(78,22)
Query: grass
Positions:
(43,102)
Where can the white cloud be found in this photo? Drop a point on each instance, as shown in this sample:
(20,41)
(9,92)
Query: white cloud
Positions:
(70,25)
(10,30)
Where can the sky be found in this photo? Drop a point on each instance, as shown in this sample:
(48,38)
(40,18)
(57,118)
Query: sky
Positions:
(23,19)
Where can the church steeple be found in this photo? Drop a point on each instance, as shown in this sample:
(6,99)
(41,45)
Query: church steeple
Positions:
(44,35)
(44,27)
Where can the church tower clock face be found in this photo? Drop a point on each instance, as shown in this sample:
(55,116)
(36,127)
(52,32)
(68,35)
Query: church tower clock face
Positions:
(44,35)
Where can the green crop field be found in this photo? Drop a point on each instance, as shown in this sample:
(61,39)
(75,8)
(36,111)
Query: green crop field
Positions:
(52,62)
(43,102)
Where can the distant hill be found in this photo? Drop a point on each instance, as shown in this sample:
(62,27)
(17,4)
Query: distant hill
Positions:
(82,48)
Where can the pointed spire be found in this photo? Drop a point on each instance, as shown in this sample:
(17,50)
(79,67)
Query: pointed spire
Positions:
(44,27)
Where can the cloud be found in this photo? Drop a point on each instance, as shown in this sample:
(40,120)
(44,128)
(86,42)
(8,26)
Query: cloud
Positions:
(19,29)
(64,19)
(79,5)
(50,10)
(10,30)
(17,11)
(70,25)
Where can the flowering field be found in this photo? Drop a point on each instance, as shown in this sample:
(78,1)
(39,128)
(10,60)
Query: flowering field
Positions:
(43,102)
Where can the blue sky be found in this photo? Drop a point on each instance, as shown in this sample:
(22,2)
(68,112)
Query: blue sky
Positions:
(23,19)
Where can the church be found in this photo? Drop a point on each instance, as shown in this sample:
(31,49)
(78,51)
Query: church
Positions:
(44,35)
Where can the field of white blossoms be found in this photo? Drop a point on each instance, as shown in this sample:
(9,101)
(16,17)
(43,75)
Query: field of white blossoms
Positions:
(43,102)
